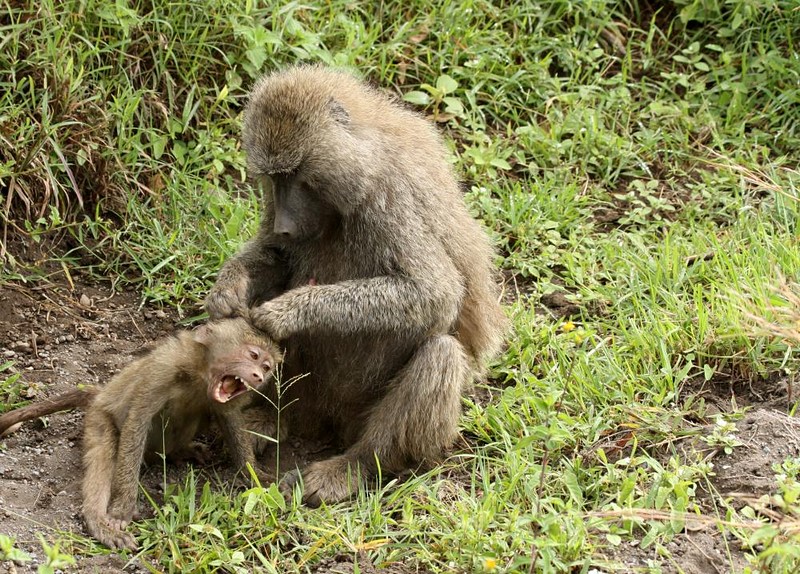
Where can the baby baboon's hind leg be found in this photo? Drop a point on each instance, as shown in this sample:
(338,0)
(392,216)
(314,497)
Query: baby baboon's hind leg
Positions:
(414,422)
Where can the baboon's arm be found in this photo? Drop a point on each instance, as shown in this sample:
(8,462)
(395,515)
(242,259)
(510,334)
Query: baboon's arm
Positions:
(416,299)
(132,444)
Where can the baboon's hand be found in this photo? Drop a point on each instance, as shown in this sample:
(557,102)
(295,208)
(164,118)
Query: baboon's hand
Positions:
(110,531)
(274,317)
(228,297)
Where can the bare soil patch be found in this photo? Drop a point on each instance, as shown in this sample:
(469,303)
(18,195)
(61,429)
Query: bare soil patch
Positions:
(725,392)
(767,436)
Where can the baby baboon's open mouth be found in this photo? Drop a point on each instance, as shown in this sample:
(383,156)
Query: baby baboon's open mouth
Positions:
(227,388)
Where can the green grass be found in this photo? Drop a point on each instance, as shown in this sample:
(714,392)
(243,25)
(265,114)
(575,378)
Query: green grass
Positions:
(642,160)
(11,387)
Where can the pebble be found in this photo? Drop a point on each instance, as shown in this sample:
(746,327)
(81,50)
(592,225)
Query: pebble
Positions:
(9,353)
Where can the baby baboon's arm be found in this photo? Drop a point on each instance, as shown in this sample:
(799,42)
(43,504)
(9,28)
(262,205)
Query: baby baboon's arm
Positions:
(100,446)
(132,443)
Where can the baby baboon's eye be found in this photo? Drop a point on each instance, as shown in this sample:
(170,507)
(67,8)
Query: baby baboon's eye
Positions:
(254,354)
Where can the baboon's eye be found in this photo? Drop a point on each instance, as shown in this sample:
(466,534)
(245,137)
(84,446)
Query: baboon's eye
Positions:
(254,354)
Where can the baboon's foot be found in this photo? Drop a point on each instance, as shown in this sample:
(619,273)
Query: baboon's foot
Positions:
(326,481)
(194,452)
(114,538)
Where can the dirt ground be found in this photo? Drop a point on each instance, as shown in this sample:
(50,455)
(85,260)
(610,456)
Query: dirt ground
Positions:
(766,435)
(58,337)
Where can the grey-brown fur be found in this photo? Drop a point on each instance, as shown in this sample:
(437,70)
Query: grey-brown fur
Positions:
(157,404)
(71,399)
(388,298)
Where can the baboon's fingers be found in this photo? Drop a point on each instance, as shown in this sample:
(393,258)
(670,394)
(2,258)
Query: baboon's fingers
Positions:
(228,298)
(225,303)
(117,523)
(120,539)
(271,317)
(330,480)
(109,531)
(122,510)
(287,484)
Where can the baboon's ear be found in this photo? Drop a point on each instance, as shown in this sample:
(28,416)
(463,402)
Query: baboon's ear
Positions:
(338,112)
(202,334)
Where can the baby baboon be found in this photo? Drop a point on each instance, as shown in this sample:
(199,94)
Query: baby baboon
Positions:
(389,301)
(156,405)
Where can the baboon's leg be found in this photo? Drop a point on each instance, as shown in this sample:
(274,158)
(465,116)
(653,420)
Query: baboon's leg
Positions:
(413,423)
(239,441)
(101,445)
(172,436)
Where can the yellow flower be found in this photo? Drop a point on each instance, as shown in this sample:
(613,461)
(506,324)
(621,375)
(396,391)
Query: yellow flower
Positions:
(568,326)
(489,564)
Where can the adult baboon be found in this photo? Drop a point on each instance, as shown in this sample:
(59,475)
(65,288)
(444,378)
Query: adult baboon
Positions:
(389,302)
